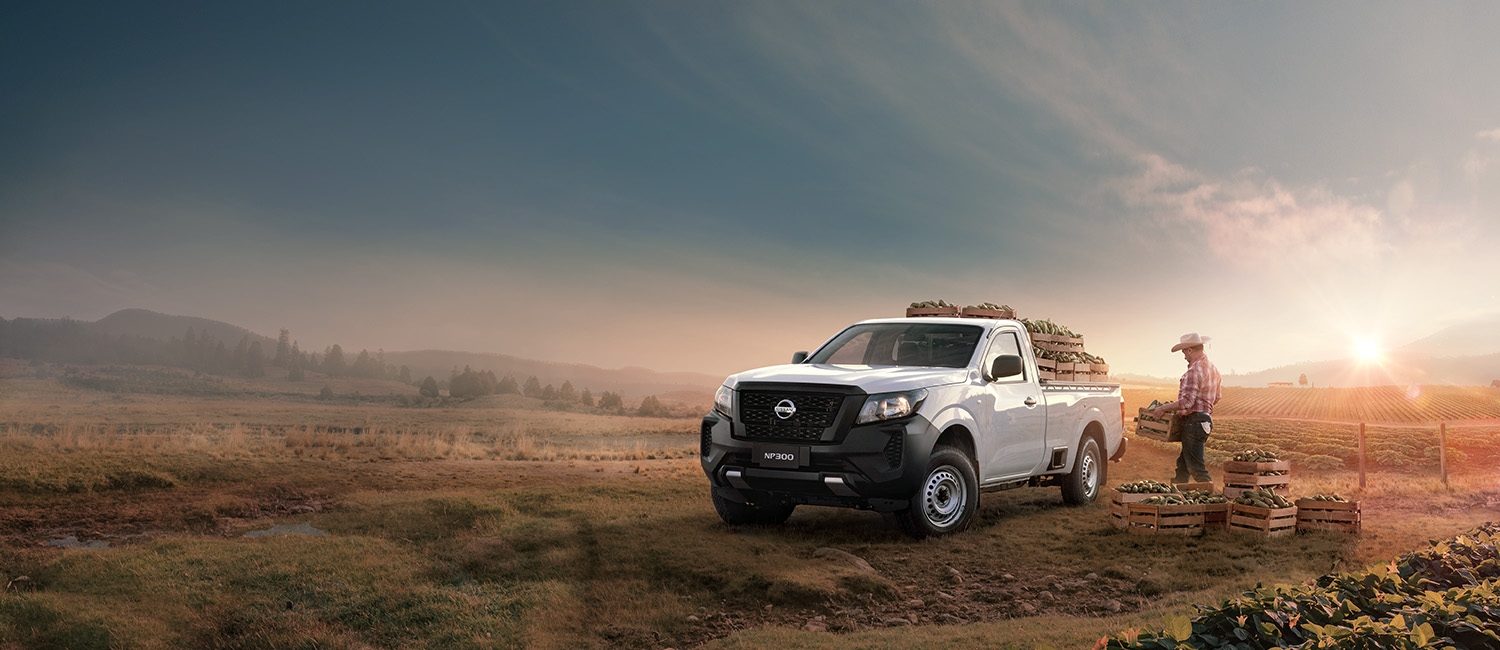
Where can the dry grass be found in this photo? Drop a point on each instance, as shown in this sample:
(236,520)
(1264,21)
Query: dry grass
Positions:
(490,526)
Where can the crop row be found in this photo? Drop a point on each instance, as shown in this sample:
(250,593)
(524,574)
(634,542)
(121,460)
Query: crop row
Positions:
(1315,445)
(1372,404)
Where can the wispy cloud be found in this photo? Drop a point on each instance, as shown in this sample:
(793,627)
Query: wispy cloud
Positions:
(1251,219)
(1492,135)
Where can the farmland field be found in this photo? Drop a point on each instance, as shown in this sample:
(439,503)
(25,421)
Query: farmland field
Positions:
(143,519)
(1385,404)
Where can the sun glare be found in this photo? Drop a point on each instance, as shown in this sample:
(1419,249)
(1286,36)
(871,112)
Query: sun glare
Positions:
(1367,350)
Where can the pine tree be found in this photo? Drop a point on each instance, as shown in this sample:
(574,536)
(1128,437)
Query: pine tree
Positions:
(294,373)
(652,407)
(586,398)
(239,353)
(333,361)
(255,361)
(283,349)
(405,375)
(507,386)
(567,393)
(532,387)
(611,402)
(549,392)
(429,387)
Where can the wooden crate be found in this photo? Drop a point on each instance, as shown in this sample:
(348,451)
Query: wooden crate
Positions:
(1046,364)
(1242,467)
(1143,519)
(1065,366)
(918,312)
(1066,376)
(1047,375)
(1265,522)
(1240,477)
(1099,368)
(1328,515)
(1169,429)
(977,312)
(1234,491)
(1117,505)
(1215,516)
(1204,486)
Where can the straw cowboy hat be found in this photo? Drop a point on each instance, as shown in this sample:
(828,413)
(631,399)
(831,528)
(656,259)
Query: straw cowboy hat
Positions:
(1189,340)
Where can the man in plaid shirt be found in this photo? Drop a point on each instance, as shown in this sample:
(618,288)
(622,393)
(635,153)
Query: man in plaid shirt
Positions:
(1196,395)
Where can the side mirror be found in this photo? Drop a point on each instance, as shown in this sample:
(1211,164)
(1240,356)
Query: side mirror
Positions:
(799,357)
(1006,365)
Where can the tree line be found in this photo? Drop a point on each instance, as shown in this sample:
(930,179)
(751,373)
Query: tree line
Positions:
(477,383)
(69,341)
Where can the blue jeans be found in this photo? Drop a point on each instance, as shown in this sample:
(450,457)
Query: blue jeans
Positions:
(1194,435)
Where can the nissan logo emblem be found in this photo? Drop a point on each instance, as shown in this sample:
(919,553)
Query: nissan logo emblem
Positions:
(785,409)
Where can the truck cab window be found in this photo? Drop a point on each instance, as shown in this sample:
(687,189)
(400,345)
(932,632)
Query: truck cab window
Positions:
(1005,342)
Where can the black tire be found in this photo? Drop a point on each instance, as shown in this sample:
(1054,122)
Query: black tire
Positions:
(946,499)
(764,511)
(1083,484)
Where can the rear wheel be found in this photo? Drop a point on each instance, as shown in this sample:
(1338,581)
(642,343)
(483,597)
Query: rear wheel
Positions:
(946,500)
(1081,486)
(764,510)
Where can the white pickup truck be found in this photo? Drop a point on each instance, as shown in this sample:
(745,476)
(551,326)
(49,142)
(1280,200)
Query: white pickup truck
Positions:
(909,416)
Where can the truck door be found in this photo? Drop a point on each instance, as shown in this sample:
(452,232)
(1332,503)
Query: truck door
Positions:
(1013,441)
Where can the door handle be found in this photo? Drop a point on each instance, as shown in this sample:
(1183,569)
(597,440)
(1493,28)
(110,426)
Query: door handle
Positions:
(1030,401)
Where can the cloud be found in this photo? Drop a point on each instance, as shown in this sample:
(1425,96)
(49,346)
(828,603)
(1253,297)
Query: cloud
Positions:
(1251,219)
(1492,135)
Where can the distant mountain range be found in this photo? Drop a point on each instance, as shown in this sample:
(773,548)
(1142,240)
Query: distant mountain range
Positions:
(632,383)
(1466,354)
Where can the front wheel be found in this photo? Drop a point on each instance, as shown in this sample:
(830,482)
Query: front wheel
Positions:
(947,499)
(1081,486)
(764,511)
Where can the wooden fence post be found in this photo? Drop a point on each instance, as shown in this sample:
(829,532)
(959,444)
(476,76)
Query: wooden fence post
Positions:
(1361,455)
(1443,451)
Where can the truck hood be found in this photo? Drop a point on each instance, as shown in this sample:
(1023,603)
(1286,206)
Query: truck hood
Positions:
(870,379)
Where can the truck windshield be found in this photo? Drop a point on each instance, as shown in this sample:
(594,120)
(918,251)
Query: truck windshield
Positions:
(902,344)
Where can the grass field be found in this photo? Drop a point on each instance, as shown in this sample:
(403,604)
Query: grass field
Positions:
(497,524)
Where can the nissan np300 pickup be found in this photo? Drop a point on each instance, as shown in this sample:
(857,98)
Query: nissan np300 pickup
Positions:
(911,416)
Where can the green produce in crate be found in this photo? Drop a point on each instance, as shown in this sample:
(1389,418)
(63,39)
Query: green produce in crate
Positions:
(1256,456)
(1262,498)
(1328,497)
(1204,496)
(992,306)
(1166,500)
(1146,486)
(932,304)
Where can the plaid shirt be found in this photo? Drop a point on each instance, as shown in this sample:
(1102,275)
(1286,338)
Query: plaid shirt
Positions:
(1199,389)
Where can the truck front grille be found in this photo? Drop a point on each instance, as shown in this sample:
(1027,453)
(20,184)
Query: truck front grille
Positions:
(782,433)
(815,414)
(706,438)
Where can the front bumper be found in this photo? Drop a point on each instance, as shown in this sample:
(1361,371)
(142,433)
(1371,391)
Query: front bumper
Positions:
(872,466)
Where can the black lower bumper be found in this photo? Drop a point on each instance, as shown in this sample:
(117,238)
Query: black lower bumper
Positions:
(875,466)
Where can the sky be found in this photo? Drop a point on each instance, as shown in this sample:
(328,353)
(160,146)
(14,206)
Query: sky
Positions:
(710,186)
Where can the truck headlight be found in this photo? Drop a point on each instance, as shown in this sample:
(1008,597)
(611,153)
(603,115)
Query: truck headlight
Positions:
(724,401)
(890,406)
